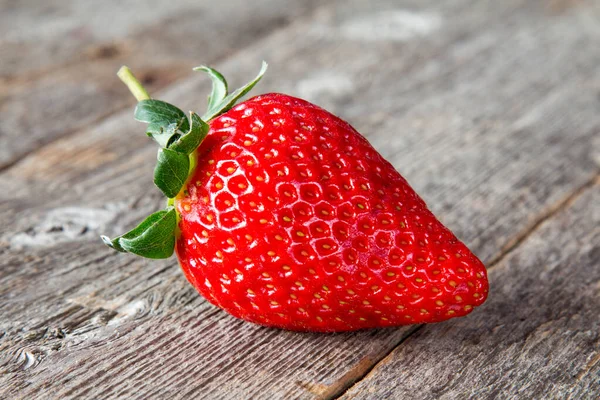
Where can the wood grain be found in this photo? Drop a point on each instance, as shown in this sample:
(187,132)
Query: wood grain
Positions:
(467,102)
(537,337)
(57,74)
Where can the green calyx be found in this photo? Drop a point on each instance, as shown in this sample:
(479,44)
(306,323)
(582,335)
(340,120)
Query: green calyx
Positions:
(178,137)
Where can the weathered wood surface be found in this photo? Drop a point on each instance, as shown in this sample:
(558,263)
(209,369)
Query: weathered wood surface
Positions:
(59,57)
(489,108)
(538,337)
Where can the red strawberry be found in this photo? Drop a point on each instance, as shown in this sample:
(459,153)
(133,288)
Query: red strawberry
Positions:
(291,219)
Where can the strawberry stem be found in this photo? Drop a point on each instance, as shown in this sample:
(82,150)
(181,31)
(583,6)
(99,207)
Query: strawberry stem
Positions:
(178,138)
(135,87)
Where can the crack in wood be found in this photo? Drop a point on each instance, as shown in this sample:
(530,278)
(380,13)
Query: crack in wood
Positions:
(362,370)
(551,211)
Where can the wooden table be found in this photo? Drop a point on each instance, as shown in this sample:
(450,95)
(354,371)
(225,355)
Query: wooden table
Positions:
(491,109)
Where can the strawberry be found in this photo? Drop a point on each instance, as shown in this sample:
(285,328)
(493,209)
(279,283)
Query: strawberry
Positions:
(283,215)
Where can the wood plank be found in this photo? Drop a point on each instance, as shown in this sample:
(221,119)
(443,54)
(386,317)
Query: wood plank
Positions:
(57,75)
(538,336)
(465,152)
(63,32)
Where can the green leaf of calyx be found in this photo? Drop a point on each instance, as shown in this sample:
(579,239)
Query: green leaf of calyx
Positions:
(167,135)
(153,238)
(159,116)
(219,86)
(228,102)
(171,171)
(187,143)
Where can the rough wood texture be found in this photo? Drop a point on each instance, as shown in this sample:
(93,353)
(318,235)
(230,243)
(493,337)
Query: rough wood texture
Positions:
(59,57)
(489,108)
(538,337)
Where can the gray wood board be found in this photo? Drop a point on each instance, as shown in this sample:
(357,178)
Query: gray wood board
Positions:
(537,337)
(60,57)
(475,119)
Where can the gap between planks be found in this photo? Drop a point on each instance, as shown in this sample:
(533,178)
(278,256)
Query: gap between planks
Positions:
(554,209)
(340,388)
